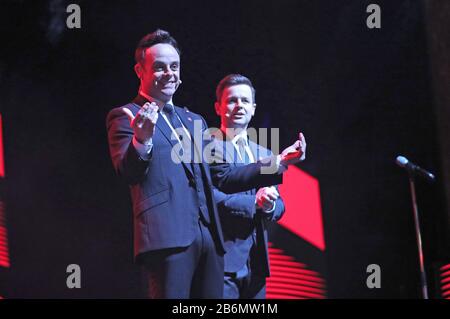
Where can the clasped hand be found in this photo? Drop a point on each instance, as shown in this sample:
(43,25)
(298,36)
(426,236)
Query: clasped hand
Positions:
(266,197)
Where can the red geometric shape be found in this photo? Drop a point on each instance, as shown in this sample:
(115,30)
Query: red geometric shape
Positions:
(303,215)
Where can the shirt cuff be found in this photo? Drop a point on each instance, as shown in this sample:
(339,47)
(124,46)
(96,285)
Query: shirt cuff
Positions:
(143,150)
(281,168)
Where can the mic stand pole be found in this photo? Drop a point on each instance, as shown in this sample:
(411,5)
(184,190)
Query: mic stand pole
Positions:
(423,277)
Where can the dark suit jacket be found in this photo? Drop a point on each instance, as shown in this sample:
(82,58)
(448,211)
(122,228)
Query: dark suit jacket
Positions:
(164,204)
(244,226)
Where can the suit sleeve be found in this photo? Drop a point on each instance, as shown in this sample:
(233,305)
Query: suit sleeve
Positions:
(231,179)
(234,179)
(239,205)
(278,212)
(243,178)
(126,161)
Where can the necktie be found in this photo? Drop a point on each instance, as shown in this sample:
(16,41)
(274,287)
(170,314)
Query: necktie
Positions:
(173,118)
(242,143)
(187,150)
(169,110)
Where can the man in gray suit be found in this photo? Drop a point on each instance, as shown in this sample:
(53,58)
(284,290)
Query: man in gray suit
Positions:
(243,215)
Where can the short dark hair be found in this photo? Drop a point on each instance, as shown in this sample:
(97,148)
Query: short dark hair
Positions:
(233,79)
(159,36)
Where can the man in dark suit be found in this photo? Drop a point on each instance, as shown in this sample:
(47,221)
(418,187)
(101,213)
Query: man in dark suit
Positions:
(243,215)
(177,234)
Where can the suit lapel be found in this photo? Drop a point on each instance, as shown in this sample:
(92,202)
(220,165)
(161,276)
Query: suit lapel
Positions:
(186,120)
(232,155)
(188,123)
(254,149)
(165,129)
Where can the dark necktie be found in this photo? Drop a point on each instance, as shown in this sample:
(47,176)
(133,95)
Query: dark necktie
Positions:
(174,120)
(186,143)
(169,111)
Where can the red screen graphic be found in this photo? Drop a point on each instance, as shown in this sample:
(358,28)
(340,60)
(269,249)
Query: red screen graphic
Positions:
(303,216)
(289,278)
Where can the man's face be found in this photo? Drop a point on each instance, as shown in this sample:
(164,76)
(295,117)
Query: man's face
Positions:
(236,107)
(160,71)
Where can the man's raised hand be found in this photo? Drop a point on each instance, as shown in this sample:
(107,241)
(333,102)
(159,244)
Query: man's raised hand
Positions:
(294,153)
(143,124)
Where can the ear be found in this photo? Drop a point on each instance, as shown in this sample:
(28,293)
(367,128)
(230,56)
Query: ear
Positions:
(138,69)
(217,107)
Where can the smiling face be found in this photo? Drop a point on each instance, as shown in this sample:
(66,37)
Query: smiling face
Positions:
(159,72)
(236,107)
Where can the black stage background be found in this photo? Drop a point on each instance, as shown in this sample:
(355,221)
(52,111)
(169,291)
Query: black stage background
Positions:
(361,96)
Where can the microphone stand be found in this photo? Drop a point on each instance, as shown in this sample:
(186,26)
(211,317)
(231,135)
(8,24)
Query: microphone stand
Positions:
(423,277)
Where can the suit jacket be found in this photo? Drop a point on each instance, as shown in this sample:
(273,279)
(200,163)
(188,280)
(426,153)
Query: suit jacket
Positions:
(244,226)
(165,206)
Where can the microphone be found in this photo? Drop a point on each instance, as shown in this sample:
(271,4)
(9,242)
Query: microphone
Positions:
(414,169)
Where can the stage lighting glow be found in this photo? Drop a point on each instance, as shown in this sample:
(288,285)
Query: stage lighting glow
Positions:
(291,279)
(445,281)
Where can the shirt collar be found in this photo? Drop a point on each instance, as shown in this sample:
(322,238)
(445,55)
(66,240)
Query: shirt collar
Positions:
(234,138)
